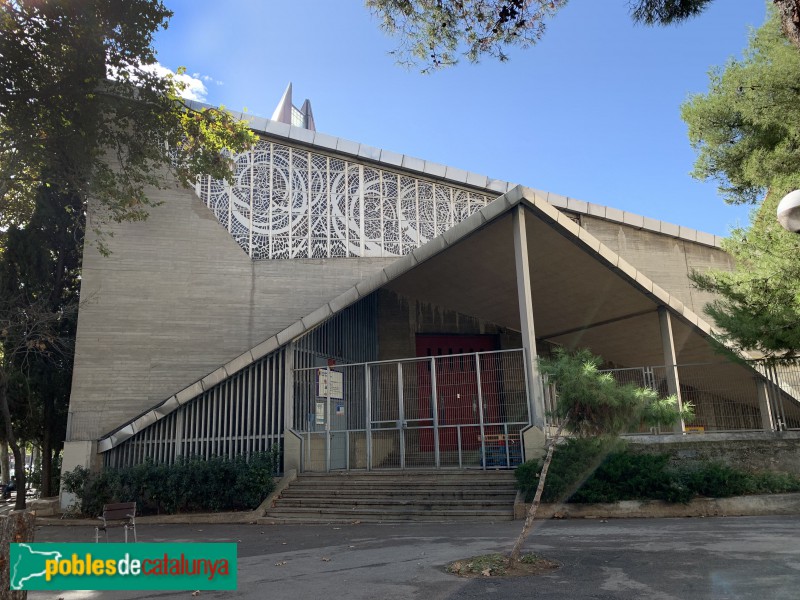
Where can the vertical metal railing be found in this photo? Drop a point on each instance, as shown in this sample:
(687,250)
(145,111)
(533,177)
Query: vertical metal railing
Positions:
(782,391)
(233,418)
(726,396)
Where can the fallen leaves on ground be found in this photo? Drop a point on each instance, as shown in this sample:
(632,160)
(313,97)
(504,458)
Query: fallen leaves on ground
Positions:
(499,565)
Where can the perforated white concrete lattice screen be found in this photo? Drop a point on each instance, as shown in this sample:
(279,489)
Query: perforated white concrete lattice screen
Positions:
(292,203)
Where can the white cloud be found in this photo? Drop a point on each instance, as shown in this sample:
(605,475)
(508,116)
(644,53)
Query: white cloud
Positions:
(195,88)
(207,78)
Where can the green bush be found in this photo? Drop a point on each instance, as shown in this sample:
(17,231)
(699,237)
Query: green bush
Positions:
(594,470)
(715,480)
(770,482)
(192,485)
(573,461)
(625,476)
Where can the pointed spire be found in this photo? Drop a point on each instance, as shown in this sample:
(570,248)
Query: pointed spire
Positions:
(308,116)
(288,113)
(283,112)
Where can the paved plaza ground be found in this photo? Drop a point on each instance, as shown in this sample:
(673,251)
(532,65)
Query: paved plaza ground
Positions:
(656,559)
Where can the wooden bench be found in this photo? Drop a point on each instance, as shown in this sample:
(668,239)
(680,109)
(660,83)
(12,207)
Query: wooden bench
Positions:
(121,514)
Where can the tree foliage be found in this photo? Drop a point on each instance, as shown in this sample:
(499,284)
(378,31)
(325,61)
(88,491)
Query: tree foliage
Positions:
(84,114)
(667,12)
(596,404)
(81,108)
(39,285)
(758,304)
(746,130)
(433,34)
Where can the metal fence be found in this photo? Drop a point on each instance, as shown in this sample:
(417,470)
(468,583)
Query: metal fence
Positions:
(726,396)
(783,392)
(462,410)
(240,416)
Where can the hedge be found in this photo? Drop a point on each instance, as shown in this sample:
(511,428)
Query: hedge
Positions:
(191,485)
(599,470)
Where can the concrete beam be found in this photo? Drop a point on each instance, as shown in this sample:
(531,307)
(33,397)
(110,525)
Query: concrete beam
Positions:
(525,300)
(670,362)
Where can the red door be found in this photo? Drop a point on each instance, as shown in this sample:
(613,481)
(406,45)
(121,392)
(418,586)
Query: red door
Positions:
(456,388)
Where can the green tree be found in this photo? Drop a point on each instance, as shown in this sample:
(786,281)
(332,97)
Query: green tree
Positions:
(40,268)
(84,113)
(82,108)
(592,403)
(758,304)
(30,332)
(435,33)
(746,130)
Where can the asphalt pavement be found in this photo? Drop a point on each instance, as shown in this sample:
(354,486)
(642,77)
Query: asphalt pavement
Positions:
(740,558)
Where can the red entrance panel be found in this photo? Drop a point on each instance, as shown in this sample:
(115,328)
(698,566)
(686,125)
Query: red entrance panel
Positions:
(456,389)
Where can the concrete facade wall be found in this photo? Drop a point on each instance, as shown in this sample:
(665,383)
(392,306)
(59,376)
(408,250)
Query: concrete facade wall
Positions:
(666,260)
(177,299)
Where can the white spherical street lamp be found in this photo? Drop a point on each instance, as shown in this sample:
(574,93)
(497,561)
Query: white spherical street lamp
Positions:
(789,212)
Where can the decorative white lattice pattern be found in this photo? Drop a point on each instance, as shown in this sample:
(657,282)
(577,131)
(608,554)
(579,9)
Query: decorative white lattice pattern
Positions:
(289,202)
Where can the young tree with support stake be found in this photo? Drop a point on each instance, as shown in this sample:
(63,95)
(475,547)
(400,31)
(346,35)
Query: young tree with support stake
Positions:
(591,403)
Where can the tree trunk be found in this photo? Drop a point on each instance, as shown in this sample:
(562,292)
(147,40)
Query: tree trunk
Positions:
(5,466)
(15,527)
(19,462)
(790,19)
(45,487)
(20,477)
(529,519)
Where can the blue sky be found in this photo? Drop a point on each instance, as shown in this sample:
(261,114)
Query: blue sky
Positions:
(591,112)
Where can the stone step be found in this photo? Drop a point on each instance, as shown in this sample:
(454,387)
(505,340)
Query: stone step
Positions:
(336,480)
(388,486)
(372,515)
(356,519)
(420,494)
(389,502)
(433,495)
(416,473)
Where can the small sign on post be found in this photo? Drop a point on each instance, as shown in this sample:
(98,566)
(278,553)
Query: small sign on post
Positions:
(330,384)
(320,414)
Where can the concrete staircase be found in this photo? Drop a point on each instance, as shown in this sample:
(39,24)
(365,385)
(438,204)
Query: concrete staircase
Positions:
(392,496)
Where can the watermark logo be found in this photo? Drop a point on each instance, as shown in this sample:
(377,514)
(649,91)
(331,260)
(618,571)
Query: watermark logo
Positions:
(122,566)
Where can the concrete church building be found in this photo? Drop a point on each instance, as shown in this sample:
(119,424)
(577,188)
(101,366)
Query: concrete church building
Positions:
(370,310)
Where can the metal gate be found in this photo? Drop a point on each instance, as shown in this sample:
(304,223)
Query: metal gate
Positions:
(459,410)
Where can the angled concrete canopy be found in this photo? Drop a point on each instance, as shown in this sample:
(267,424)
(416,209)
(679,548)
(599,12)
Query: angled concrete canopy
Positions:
(584,295)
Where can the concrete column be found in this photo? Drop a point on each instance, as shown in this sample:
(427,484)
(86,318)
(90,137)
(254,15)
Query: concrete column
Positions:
(767,420)
(81,453)
(525,299)
(670,362)
(288,382)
